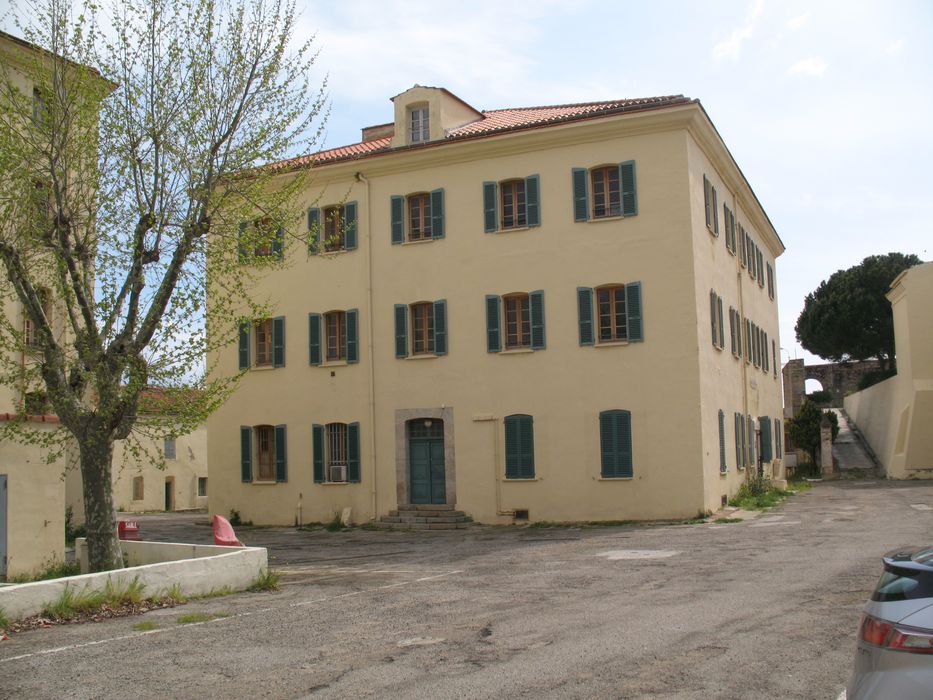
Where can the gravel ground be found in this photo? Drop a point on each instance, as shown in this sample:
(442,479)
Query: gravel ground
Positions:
(764,608)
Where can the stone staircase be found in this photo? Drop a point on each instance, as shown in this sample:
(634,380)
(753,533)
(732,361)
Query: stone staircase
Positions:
(429,516)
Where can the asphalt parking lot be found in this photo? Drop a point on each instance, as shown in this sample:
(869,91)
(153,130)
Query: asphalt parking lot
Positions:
(764,608)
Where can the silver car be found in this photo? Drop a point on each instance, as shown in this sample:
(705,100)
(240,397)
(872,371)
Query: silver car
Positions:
(894,656)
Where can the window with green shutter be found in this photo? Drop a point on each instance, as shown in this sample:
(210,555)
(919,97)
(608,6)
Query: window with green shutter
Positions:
(350,225)
(765,425)
(490,200)
(353,452)
(722,441)
(428,328)
(352,337)
(281,454)
(335,453)
(522,323)
(519,447)
(397,218)
(778,440)
(243,353)
(770,281)
(278,341)
(585,315)
(615,444)
(246,453)
(317,453)
(610,314)
(401,330)
(739,429)
(581,204)
(493,342)
(333,337)
(752,442)
(440,327)
(417,217)
(716,321)
(314,339)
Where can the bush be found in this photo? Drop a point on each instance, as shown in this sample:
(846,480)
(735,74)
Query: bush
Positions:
(804,428)
(821,397)
(757,493)
(72,531)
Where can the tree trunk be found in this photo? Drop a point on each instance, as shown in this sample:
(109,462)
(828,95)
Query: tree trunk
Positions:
(103,543)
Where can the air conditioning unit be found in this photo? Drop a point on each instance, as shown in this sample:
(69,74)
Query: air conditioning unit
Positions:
(338,472)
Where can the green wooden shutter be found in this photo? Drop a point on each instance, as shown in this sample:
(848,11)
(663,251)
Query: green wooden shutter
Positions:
(353,336)
(585,314)
(737,430)
(244,344)
(715,211)
(633,320)
(765,423)
(314,230)
(242,244)
(712,316)
(281,455)
(732,329)
(278,243)
(437,213)
(778,440)
(278,341)
(314,339)
(401,330)
(627,181)
(752,459)
(536,303)
(512,455)
(353,452)
(770,280)
(532,201)
(581,204)
(738,334)
(246,454)
(398,219)
(526,445)
(722,441)
(615,434)
(490,208)
(706,198)
(350,225)
(440,327)
(317,453)
(493,343)
(719,323)
(624,421)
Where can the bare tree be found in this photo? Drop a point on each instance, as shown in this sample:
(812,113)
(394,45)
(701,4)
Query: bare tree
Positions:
(131,143)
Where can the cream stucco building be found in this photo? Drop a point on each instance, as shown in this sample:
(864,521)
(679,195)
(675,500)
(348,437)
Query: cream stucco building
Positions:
(896,415)
(553,313)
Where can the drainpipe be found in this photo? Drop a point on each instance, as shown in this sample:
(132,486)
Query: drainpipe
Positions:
(372,355)
(498,469)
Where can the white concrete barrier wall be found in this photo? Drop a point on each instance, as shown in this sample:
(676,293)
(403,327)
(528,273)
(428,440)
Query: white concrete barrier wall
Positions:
(194,569)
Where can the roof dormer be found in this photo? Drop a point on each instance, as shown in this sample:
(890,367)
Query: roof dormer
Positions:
(424,114)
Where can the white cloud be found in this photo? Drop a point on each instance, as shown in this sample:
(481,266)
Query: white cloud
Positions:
(895,47)
(731,48)
(798,22)
(812,66)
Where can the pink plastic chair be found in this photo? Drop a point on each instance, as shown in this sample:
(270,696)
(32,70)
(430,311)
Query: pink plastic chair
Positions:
(223,532)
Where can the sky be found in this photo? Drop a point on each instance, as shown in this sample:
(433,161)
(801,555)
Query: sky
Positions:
(827,107)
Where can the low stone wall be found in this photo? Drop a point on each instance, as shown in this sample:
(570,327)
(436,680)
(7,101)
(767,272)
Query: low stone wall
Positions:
(194,569)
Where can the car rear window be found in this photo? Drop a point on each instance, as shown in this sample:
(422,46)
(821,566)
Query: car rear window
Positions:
(903,585)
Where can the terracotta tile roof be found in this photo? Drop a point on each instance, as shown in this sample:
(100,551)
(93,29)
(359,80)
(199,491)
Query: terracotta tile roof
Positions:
(498,121)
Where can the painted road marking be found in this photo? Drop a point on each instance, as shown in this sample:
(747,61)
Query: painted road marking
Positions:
(920,506)
(248,613)
(619,554)
(783,522)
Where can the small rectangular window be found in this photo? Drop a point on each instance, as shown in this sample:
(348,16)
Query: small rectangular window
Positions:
(137,488)
(335,324)
(265,452)
(422,328)
(514,212)
(610,303)
(169,448)
(517,321)
(336,454)
(419,217)
(263,334)
(202,486)
(419,125)
(607,195)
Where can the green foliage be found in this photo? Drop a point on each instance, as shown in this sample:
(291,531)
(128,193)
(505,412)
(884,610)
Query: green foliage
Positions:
(236,521)
(51,569)
(199,617)
(145,626)
(727,520)
(72,532)
(268,580)
(757,493)
(72,603)
(807,470)
(171,595)
(821,397)
(217,592)
(126,592)
(4,620)
(335,524)
(872,378)
(848,317)
(804,428)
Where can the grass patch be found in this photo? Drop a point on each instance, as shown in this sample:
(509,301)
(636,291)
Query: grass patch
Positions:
(798,486)
(51,569)
(145,626)
(172,595)
(129,592)
(216,592)
(72,603)
(4,620)
(582,524)
(267,580)
(198,617)
(757,494)
(728,520)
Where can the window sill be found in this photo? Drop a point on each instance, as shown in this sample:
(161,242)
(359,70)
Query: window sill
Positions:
(714,234)
(511,229)
(422,356)
(335,483)
(334,363)
(262,368)
(723,473)
(519,480)
(615,478)
(516,351)
(612,343)
(273,482)
(420,241)
(617,217)
(331,253)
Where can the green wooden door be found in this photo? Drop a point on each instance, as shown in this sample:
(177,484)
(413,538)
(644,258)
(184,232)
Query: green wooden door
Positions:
(426,462)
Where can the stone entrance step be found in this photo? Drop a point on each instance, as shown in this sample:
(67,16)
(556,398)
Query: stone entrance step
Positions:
(425,516)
